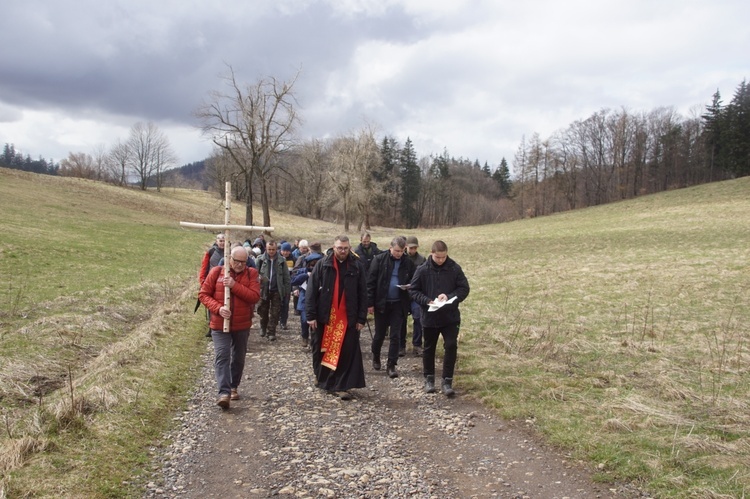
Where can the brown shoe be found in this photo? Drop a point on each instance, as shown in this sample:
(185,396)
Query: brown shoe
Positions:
(235,395)
(223,402)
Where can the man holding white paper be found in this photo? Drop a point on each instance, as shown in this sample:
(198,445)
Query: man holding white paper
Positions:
(439,285)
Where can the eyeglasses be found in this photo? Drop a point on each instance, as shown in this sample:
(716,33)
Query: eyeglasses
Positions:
(341,248)
(241,262)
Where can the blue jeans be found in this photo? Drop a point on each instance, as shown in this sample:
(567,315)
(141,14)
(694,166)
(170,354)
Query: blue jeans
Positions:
(229,358)
(416,315)
(304,326)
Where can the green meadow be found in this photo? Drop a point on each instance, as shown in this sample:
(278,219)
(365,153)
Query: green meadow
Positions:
(616,333)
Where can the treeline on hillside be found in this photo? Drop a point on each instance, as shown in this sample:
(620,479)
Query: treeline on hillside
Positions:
(609,156)
(141,160)
(16,160)
(370,180)
(614,155)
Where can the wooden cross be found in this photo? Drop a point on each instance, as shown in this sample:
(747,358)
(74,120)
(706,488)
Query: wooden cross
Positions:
(226,227)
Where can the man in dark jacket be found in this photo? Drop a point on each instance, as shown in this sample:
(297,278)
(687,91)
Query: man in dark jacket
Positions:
(366,250)
(412,253)
(275,286)
(439,285)
(389,276)
(336,309)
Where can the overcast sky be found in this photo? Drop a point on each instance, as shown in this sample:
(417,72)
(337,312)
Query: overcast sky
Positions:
(472,77)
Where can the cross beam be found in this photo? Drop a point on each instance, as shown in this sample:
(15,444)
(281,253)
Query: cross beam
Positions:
(226,227)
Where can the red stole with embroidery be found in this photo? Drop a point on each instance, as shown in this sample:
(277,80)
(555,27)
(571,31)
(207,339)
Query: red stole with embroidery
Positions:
(335,330)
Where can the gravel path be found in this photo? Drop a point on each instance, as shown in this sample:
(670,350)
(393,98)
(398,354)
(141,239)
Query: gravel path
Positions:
(285,437)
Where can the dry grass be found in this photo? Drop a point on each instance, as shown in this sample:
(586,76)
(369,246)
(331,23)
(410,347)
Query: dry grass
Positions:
(619,331)
(16,450)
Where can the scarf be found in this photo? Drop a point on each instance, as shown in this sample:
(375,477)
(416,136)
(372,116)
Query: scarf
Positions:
(335,330)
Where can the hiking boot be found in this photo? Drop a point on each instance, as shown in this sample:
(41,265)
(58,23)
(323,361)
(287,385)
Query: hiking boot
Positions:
(417,351)
(429,384)
(223,401)
(376,363)
(271,337)
(402,351)
(448,387)
(234,395)
(263,333)
(391,370)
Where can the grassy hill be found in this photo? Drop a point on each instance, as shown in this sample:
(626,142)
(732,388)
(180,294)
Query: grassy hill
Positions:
(617,332)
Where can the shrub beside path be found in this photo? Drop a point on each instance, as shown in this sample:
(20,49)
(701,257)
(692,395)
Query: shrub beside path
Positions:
(287,438)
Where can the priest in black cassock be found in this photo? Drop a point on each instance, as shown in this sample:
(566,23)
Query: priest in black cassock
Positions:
(336,308)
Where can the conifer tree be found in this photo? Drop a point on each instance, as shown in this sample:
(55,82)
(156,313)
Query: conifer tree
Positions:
(410,185)
(737,136)
(501,175)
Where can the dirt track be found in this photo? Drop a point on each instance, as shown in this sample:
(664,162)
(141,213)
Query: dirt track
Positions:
(285,437)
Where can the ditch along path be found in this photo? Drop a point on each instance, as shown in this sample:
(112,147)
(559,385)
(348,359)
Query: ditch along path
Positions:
(287,438)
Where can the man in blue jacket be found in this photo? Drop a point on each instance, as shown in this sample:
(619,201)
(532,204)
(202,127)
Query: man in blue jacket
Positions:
(388,278)
(439,285)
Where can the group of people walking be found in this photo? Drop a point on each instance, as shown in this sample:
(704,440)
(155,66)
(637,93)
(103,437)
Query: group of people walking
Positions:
(333,294)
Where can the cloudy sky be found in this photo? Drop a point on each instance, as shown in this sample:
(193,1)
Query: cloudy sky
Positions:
(469,76)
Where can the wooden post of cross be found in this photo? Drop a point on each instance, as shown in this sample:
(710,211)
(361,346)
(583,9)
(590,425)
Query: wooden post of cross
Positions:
(226,227)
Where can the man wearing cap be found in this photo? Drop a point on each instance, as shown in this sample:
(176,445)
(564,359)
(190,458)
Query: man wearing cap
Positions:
(274,276)
(387,297)
(299,283)
(412,245)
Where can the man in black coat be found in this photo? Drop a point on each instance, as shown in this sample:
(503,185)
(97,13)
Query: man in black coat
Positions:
(439,285)
(367,250)
(336,309)
(387,297)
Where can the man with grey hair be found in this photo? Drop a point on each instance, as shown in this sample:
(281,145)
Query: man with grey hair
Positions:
(387,297)
(230,347)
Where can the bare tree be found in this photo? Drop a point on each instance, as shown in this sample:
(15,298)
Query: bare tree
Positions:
(119,158)
(220,169)
(354,157)
(78,164)
(99,161)
(149,153)
(254,124)
(312,182)
(367,162)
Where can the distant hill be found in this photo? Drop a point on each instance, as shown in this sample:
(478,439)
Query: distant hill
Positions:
(191,175)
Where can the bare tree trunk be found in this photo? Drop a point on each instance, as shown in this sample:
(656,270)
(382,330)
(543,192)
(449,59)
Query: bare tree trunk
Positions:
(249,198)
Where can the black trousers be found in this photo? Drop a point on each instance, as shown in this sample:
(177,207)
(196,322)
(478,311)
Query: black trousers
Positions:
(392,317)
(450,343)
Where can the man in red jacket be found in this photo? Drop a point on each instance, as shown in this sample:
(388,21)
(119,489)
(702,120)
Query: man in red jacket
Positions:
(230,348)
